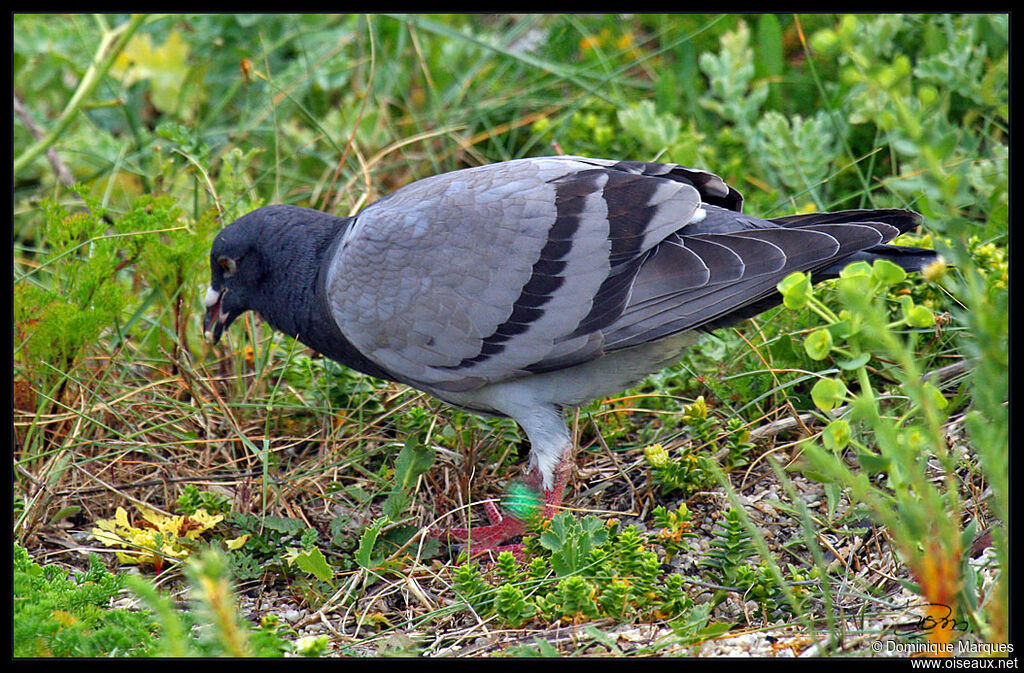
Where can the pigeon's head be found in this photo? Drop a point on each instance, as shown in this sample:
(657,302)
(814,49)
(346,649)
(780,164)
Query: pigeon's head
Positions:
(238,272)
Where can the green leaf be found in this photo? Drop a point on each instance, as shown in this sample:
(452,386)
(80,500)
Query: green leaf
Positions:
(694,626)
(605,639)
(281,524)
(818,344)
(796,290)
(915,315)
(854,285)
(413,460)
(935,396)
(64,513)
(166,68)
(872,463)
(846,327)
(546,649)
(396,538)
(769,48)
(854,362)
(886,272)
(655,132)
(828,394)
(314,563)
(836,435)
(856,270)
(571,541)
(364,555)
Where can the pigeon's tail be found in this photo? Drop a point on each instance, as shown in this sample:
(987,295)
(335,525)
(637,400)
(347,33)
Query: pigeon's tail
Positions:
(903,220)
(909,258)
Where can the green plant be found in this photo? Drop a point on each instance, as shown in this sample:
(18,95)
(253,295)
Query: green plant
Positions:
(729,565)
(734,94)
(692,469)
(511,605)
(572,601)
(797,153)
(589,131)
(56,322)
(112,44)
(688,473)
(60,615)
(473,589)
(369,556)
(731,547)
(571,542)
(581,570)
(675,528)
(213,626)
(905,434)
(192,499)
(267,540)
(413,460)
(169,126)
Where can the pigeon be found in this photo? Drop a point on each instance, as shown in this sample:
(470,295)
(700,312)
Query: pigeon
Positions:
(526,287)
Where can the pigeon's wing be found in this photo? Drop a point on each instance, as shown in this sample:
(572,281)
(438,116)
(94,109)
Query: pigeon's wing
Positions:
(742,259)
(490,273)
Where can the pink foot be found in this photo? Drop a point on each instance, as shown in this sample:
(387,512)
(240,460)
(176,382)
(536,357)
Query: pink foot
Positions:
(481,539)
(504,527)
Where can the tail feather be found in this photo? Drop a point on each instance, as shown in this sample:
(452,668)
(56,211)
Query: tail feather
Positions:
(908,258)
(903,220)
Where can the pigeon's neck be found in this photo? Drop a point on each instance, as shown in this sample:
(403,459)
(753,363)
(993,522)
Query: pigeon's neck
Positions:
(299,306)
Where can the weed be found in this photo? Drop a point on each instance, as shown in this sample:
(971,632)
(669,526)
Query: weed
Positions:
(675,527)
(906,431)
(582,569)
(156,537)
(692,470)
(265,540)
(192,499)
(60,616)
(213,626)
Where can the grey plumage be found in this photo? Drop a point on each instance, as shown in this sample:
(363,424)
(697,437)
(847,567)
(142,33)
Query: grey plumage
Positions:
(523,287)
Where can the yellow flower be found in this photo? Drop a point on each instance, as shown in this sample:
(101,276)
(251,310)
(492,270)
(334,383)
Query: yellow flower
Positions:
(935,271)
(656,455)
(156,538)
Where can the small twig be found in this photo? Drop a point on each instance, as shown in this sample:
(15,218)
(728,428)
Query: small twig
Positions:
(615,462)
(111,45)
(146,483)
(945,373)
(63,174)
(788,423)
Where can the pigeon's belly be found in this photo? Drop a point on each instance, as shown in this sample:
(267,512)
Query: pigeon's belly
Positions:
(575,386)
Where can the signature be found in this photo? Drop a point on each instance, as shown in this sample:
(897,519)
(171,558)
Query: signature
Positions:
(940,619)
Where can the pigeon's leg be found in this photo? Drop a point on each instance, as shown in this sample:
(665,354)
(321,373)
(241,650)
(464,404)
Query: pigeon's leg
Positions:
(479,539)
(550,465)
(558,478)
(503,526)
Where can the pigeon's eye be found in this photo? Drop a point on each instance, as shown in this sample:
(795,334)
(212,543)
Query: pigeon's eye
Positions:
(228,265)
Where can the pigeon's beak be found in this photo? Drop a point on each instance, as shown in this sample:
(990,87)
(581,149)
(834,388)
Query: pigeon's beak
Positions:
(213,324)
